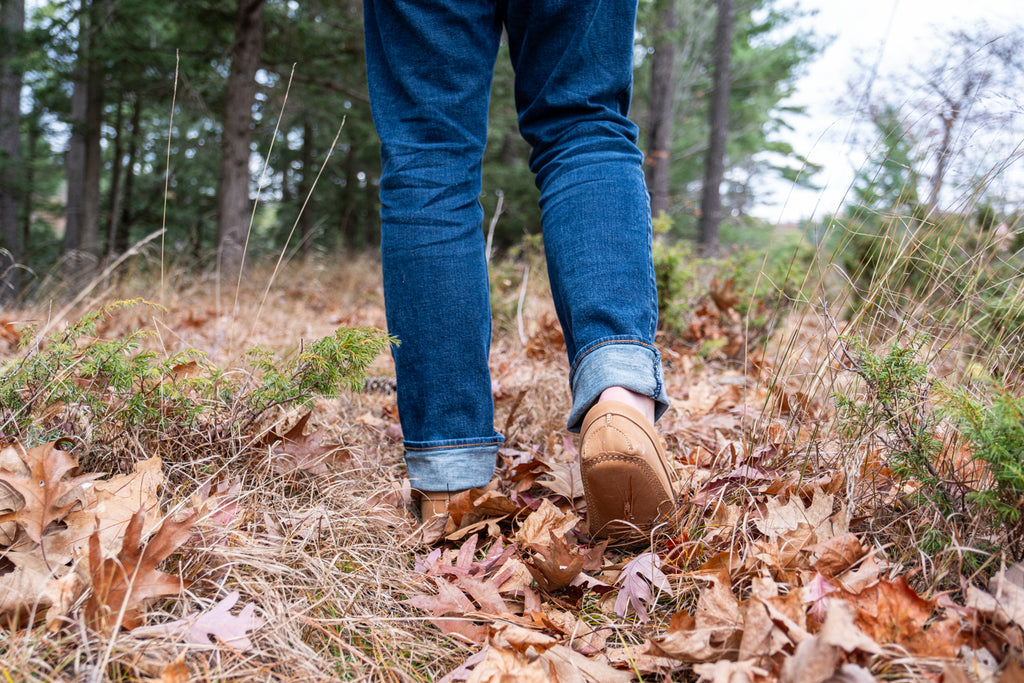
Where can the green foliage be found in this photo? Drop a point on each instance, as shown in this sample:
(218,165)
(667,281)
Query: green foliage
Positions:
(71,383)
(993,426)
(894,410)
(763,278)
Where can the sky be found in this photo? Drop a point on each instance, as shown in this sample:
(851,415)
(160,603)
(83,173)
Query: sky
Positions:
(893,33)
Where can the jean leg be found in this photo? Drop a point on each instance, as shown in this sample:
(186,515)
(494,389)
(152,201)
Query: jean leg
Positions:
(574,68)
(429,68)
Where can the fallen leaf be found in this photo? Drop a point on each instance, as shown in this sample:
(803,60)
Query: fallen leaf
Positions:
(712,633)
(781,520)
(554,566)
(817,658)
(173,672)
(33,586)
(450,602)
(295,451)
(214,626)
(121,584)
(544,521)
(109,506)
(892,612)
(635,582)
(726,671)
(837,554)
(46,495)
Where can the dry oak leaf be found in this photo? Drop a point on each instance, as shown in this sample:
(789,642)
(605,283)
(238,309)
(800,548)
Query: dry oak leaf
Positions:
(450,602)
(515,653)
(892,612)
(46,495)
(781,521)
(544,521)
(635,582)
(713,632)
(294,451)
(726,671)
(817,659)
(33,585)
(554,566)
(215,625)
(109,506)
(1005,596)
(173,672)
(121,584)
(837,554)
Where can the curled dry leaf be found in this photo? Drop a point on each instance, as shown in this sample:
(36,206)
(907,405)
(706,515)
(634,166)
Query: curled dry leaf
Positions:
(713,631)
(33,586)
(109,505)
(726,671)
(452,603)
(837,554)
(121,584)
(782,521)
(554,566)
(892,612)
(46,492)
(518,654)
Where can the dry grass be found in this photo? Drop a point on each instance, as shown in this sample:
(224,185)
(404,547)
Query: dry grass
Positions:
(328,560)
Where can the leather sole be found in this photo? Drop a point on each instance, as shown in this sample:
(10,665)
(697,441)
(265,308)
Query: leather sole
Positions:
(626,480)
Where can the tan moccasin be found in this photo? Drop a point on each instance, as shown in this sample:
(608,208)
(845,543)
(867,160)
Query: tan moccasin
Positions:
(626,479)
(433,504)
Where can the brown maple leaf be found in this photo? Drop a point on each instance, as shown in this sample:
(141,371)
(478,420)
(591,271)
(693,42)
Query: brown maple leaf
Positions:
(46,494)
(295,451)
(121,584)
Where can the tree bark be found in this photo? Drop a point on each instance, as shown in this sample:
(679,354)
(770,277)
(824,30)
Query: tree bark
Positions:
(116,174)
(233,187)
(718,117)
(127,217)
(305,189)
(12,24)
(661,102)
(81,246)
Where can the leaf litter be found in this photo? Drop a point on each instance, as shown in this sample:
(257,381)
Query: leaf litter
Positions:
(764,575)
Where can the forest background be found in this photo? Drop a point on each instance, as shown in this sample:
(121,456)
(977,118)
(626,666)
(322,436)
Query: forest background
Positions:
(122,118)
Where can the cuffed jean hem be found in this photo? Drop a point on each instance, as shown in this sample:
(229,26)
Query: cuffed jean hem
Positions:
(615,362)
(452,465)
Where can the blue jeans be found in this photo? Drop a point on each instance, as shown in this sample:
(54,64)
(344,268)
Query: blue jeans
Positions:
(429,67)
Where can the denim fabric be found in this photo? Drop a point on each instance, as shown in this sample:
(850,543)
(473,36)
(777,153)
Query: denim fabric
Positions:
(429,67)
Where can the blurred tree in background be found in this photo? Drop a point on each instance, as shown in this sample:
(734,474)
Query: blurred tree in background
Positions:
(137,116)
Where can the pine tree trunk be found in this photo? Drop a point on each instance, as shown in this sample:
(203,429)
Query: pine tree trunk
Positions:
(124,223)
(12,24)
(718,116)
(305,189)
(661,99)
(116,173)
(81,246)
(233,192)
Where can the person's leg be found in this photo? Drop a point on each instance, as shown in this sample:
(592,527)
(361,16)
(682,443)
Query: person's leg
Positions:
(574,65)
(429,68)
(574,70)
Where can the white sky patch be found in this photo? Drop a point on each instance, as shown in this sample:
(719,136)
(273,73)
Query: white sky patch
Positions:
(895,35)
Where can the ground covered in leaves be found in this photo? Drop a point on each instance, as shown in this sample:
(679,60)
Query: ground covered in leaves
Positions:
(289,552)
